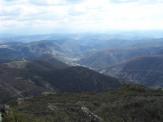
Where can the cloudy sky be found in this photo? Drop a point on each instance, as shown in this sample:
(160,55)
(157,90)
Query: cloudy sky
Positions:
(48,16)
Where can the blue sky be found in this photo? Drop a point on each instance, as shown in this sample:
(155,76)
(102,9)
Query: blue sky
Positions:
(48,16)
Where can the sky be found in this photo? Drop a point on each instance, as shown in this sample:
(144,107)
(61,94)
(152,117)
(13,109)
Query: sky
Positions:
(51,16)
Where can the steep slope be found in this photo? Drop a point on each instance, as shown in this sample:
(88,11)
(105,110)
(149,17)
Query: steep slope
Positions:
(14,80)
(30,78)
(143,70)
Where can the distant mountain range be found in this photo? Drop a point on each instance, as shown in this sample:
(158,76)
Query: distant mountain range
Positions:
(147,70)
(66,63)
(137,65)
(81,78)
(110,57)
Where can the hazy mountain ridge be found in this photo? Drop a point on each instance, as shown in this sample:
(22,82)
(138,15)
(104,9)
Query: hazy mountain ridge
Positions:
(99,52)
(57,68)
(106,58)
(145,70)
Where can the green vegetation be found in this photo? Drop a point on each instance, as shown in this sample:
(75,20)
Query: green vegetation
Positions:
(128,104)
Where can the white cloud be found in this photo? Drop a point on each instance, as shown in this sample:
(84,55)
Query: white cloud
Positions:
(84,15)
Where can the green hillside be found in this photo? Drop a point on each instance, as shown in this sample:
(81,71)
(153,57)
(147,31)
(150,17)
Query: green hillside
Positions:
(128,104)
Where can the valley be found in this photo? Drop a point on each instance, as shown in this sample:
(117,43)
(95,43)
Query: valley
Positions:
(81,78)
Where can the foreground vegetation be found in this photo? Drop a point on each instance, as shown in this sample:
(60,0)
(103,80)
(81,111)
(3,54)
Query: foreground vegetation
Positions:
(128,104)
